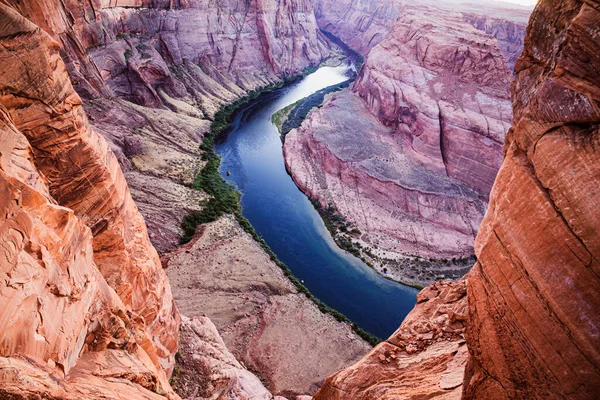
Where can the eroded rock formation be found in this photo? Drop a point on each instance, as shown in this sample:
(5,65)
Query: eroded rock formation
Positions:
(424,358)
(535,291)
(86,307)
(414,172)
(224,274)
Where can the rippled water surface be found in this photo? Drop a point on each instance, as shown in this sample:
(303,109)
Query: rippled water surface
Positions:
(285,218)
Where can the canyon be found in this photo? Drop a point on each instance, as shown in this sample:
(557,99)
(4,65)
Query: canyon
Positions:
(104,104)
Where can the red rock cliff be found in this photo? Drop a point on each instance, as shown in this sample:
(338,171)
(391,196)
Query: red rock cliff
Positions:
(534,295)
(86,307)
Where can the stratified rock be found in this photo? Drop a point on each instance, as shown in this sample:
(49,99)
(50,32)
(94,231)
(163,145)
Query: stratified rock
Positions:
(414,175)
(84,298)
(206,369)
(363,24)
(508,27)
(275,331)
(534,295)
(424,358)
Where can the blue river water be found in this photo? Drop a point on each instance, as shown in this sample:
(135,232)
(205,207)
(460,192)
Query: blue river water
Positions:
(251,151)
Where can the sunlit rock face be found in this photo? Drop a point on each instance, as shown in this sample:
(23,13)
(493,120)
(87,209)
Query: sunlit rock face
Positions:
(424,358)
(534,294)
(410,154)
(82,286)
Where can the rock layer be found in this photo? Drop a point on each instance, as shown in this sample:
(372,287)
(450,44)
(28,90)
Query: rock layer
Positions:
(534,294)
(424,358)
(74,244)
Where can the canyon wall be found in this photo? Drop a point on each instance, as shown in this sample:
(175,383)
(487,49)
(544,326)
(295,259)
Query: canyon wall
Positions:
(363,24)
(509,31)
(412,175)
(86,307)
(535,290)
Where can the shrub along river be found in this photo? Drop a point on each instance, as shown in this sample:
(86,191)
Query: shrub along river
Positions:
(251,151)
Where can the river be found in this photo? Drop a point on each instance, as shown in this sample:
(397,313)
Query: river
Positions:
(251,151)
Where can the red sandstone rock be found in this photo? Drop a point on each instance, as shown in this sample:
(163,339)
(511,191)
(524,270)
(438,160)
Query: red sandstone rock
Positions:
(424,358)
(534,295)
(83,285)
(206,369)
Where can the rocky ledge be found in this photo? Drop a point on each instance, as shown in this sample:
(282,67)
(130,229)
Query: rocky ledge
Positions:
(424,358)
(275,331)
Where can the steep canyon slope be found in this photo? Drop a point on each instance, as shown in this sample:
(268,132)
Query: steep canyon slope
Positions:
(410,154)
(534,293)
(531,318)
(87,309)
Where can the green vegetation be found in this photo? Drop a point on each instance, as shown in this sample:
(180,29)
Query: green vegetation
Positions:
(338,226)
(281,116)
(225,200)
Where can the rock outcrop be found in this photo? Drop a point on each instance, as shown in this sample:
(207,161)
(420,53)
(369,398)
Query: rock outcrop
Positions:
(414,175)
(206,368)
(275,331)
(86,306)
(534,320)
(508,30)
(424,358)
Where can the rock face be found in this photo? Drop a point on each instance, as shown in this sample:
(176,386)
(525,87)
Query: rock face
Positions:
(136,49)
(363,24)
(509,31)
(424,358)
(206,368)
(414,175)
(534,294)
(73,244)
(275,331)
